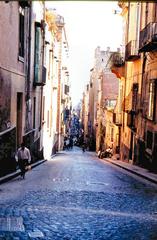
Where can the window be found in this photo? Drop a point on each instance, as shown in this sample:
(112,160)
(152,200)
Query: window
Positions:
(34,111)
(151,101)
(134,96)
(37,56)
(112,132)
(110,103)
(21,32)
(66,89)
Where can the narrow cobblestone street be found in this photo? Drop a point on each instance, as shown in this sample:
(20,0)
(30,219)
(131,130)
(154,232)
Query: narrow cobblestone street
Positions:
(78,196)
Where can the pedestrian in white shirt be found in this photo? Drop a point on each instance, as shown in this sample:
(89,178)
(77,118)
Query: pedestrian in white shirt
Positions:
(24,157)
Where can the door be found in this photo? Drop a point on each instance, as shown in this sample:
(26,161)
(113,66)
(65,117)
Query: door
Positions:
(19,119)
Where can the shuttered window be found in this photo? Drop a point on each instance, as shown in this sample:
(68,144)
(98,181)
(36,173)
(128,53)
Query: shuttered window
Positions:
(21,32)
(151,100)
(37,56)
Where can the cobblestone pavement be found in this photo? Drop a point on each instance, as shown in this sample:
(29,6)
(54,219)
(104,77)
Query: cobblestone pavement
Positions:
(77,196)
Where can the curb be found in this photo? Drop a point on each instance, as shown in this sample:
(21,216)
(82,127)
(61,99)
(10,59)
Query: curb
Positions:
(133,171)
(18,172)
(53,155)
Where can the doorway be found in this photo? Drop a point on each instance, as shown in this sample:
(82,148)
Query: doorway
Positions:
(19,118)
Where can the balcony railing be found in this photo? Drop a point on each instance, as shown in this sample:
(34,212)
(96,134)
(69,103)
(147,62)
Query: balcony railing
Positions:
(148,38)
(66,89)
(131,51)
(117,119)
(117,60)
(40,81)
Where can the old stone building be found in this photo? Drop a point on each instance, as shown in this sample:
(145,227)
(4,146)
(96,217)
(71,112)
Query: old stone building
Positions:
(147,130)
(137,75)
(22,76)
(19,79)
(31,55)
(56,94)
(101,94)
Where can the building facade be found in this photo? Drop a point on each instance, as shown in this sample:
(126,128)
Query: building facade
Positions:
(137,74)
(21,81)
(31,56)
(99,101)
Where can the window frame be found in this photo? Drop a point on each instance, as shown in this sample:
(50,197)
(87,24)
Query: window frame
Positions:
(37,53)
(151,100)
(21,33)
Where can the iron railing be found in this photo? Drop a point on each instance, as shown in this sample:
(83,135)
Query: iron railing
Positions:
(117,59)
(131,51)
(148,38)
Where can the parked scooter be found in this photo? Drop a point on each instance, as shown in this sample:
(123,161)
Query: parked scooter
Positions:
(108,152)
(105,154)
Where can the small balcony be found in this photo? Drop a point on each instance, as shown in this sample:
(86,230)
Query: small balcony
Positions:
(117,119)
(148,38)
(117,64)
(117,59)
(131,51)
(66,89)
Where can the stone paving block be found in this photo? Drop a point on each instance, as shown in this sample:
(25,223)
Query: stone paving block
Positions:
(35,234)
(11,224)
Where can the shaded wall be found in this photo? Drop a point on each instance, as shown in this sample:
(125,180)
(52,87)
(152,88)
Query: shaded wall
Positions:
(7,151)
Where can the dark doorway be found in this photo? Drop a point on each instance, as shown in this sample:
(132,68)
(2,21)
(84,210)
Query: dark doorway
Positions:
(19,119)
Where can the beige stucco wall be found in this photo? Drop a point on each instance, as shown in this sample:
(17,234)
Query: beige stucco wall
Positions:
(12,70)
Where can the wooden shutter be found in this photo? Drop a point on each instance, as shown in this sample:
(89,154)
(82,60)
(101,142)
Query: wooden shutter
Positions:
(37,54)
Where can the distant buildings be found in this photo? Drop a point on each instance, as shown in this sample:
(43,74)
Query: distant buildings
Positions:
(99,97)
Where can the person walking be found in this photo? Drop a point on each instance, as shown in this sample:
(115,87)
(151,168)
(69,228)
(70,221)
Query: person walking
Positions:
(83,147)
(24,157)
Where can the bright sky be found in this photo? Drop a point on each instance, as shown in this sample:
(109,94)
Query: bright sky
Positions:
(88,24)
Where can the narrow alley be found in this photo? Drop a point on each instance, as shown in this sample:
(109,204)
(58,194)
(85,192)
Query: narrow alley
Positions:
(78,120)
(77,196)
